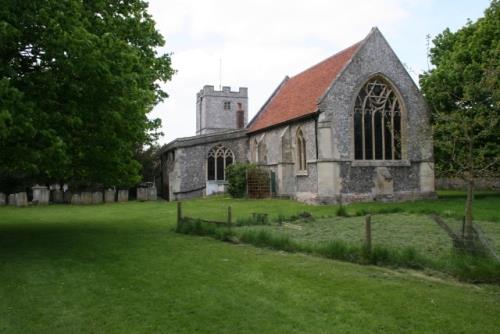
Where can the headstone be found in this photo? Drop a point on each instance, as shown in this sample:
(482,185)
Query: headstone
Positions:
(2,199)
(75,198)
(123,195)
(86,197)
(57,196)
(40,195)
(97,197)
(12,199)
(142,194)
(109,195)
(68,197)
(21,199)
(152,195)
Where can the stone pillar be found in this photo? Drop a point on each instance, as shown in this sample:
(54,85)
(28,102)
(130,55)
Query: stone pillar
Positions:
(123,195)
(85,197)
(68,197)
(152,193)
(21,199)
(75,198)
(12,199)
(97,197)
(41,195)
(2,199)
(142,194)
(109,195)
(57,196)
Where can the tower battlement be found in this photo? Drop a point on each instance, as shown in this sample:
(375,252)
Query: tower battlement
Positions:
(221,110)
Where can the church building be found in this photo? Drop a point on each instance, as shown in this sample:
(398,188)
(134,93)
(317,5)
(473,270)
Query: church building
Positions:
(353,127)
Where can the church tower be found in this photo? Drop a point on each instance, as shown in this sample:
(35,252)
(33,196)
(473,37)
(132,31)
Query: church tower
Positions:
(222,110)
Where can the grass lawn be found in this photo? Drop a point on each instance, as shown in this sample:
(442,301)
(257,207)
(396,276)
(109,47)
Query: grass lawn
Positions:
(120,268)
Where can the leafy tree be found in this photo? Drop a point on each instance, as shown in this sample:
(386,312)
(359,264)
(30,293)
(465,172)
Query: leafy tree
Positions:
(463,92)
(148,157)
(77,81)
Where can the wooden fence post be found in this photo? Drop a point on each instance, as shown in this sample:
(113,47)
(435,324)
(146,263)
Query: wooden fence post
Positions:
(229,216)
(368,233)
(179,214)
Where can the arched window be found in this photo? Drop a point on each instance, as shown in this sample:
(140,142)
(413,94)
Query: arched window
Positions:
(301,150)
(377,122)
(219,157)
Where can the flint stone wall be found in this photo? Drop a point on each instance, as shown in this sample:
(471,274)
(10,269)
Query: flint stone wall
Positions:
(3,199)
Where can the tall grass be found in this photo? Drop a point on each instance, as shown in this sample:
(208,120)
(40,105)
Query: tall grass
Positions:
(466,268)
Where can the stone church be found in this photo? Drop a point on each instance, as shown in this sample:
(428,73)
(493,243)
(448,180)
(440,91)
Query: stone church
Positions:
(353,127)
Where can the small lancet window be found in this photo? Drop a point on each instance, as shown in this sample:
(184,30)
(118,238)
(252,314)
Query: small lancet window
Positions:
(377,122)
(301,151)
(219,157)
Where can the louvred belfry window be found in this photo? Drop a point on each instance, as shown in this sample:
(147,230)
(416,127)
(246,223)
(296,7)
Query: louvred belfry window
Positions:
(219,157)
(377,122)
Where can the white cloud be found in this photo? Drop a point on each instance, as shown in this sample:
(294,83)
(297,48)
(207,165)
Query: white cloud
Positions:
(259,42)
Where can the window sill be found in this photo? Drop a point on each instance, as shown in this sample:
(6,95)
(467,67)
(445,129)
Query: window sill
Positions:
(380,163)
(301,173)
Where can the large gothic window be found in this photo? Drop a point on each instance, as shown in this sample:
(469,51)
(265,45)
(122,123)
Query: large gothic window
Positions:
(301,151)
(219,157)
(377,122)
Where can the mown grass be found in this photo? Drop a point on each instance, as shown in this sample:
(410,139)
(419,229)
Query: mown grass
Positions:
(120,268)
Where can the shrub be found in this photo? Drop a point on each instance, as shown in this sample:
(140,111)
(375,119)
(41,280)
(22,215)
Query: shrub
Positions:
(342,212)
(236,175)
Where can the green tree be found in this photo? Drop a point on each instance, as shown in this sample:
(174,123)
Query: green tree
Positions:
(463,92)
(77,81)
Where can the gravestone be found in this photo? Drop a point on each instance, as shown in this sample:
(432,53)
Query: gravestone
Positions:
(41,195)
(142,194)
(152,194)
(109,195)
(2,199)
(97,197)
(75,198)
(57,196)
(12,199)
(86,197)
(68,197)
(21,199)
(123,195)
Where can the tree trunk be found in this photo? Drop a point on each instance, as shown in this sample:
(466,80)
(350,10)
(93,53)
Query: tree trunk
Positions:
(469,237)
(468,213)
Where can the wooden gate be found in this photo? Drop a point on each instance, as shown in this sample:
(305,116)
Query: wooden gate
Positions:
(258,183)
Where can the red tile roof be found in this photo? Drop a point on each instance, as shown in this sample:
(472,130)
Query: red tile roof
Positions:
(298,96)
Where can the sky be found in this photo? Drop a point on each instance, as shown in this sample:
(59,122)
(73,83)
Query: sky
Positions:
(259,42)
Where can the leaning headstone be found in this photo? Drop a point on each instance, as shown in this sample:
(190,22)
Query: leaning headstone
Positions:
(2,199)
(152,196)
(86,197)
(21,199)
(57,196)
(142,194)
(97,197)
(68,197)
(123,195)
(109,195)
(12,199)
(75,198)
(40,195)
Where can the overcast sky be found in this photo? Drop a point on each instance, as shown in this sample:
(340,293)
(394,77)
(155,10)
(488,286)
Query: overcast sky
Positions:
(261,41)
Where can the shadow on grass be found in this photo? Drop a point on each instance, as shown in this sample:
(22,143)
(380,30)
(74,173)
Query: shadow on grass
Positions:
(82,242)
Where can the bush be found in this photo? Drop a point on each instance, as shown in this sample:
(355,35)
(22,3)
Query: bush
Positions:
(236,175)
(342,212)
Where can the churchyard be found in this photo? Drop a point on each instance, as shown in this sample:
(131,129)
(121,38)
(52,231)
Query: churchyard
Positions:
(121,267)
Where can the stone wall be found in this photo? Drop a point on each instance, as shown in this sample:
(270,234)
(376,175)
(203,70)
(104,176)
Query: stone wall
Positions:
(460,184)
(184,163)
